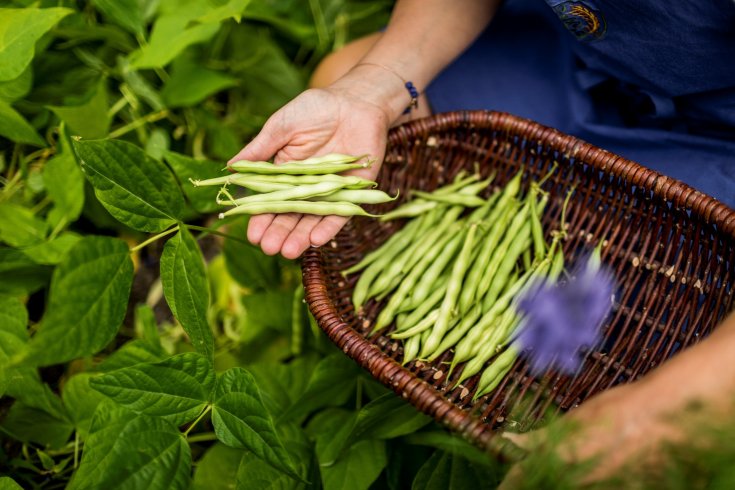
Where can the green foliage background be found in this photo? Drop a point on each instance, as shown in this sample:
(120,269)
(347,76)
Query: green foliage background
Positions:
(143,342)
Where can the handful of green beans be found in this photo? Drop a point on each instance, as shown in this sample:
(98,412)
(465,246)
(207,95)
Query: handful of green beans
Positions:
(453,274)
(311,186)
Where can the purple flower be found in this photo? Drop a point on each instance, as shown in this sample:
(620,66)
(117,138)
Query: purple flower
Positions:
(559,319)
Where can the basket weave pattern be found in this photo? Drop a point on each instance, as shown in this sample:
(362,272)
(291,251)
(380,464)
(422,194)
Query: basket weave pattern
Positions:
(672,250)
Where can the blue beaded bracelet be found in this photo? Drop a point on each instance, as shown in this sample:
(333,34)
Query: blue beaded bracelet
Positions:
(414,104)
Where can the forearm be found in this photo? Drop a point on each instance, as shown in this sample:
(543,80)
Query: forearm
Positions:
(422,38)
(705,372)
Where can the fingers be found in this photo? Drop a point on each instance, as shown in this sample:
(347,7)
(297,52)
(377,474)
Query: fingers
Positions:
(300,238)
(327,229)
(275,235)
(291,234)
(257,226)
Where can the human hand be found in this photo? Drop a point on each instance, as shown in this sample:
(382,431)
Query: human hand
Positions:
(621,426)
(317,122)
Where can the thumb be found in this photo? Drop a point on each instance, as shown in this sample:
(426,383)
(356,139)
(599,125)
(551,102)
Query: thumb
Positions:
(274,135)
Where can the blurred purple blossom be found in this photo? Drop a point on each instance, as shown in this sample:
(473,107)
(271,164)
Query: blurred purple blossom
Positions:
(559,319)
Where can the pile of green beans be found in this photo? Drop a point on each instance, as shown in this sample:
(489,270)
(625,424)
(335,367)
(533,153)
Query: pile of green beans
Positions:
(310,186)
(453,274)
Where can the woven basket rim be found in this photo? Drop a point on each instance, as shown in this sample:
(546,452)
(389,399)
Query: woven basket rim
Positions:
(679,193)
(417,391)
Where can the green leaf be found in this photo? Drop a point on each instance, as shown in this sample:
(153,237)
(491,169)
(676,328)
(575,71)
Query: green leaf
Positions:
(13,335)
(275,81)
(331,428)
(176,389)
(202,198)
(137,190)
(158,144)
(13,319)
(191,83)
(64,180)
(171,34)
(21,382)
(17,88)
(451,443)
(387,417)
(247,264)
(87,302)
(90,118)
(217,469)
(127,14)
(357,468)
(7,483)
(139,85)
(19,31)
(231,9)
(14,126)
(19,274)
(80,401)
(125,450)
(268,310)
(186,289)
(282,384)
(30,424)
(241,420)
(444,471)
(146,326)
(332,383)
(252,473)
(53,251)
(132,353)
(19,227)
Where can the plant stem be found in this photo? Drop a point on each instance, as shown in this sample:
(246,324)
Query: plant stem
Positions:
(76,449)
(154,238)
(201,416)
(203,437)
(212,231)
(152,117)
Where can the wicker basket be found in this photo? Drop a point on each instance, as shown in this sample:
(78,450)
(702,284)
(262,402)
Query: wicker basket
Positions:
(672,249)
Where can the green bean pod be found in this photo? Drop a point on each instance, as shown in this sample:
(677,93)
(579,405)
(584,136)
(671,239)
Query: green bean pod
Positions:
(460,181)
(358,196)
(424,306)
(290,194)
(506,265)
(426,283)
(433,246)
(448,307)
(395,243)
(304,207)
(499,219)
(383,258)
(295,168)
(414,252)
(512,241)
(487,350)
(496,371)
(411,349)
(457,333)
(410,209)
(466,200)
(420,327)
(244,180)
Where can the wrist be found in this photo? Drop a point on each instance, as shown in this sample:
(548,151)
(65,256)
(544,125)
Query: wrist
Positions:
(379,86)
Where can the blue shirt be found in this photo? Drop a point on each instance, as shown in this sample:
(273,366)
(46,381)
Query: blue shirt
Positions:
(650,80)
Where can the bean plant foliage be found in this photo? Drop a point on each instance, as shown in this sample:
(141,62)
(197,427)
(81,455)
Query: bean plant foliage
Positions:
(143,342)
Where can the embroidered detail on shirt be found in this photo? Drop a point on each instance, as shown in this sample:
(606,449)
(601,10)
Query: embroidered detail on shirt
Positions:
(586,23)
